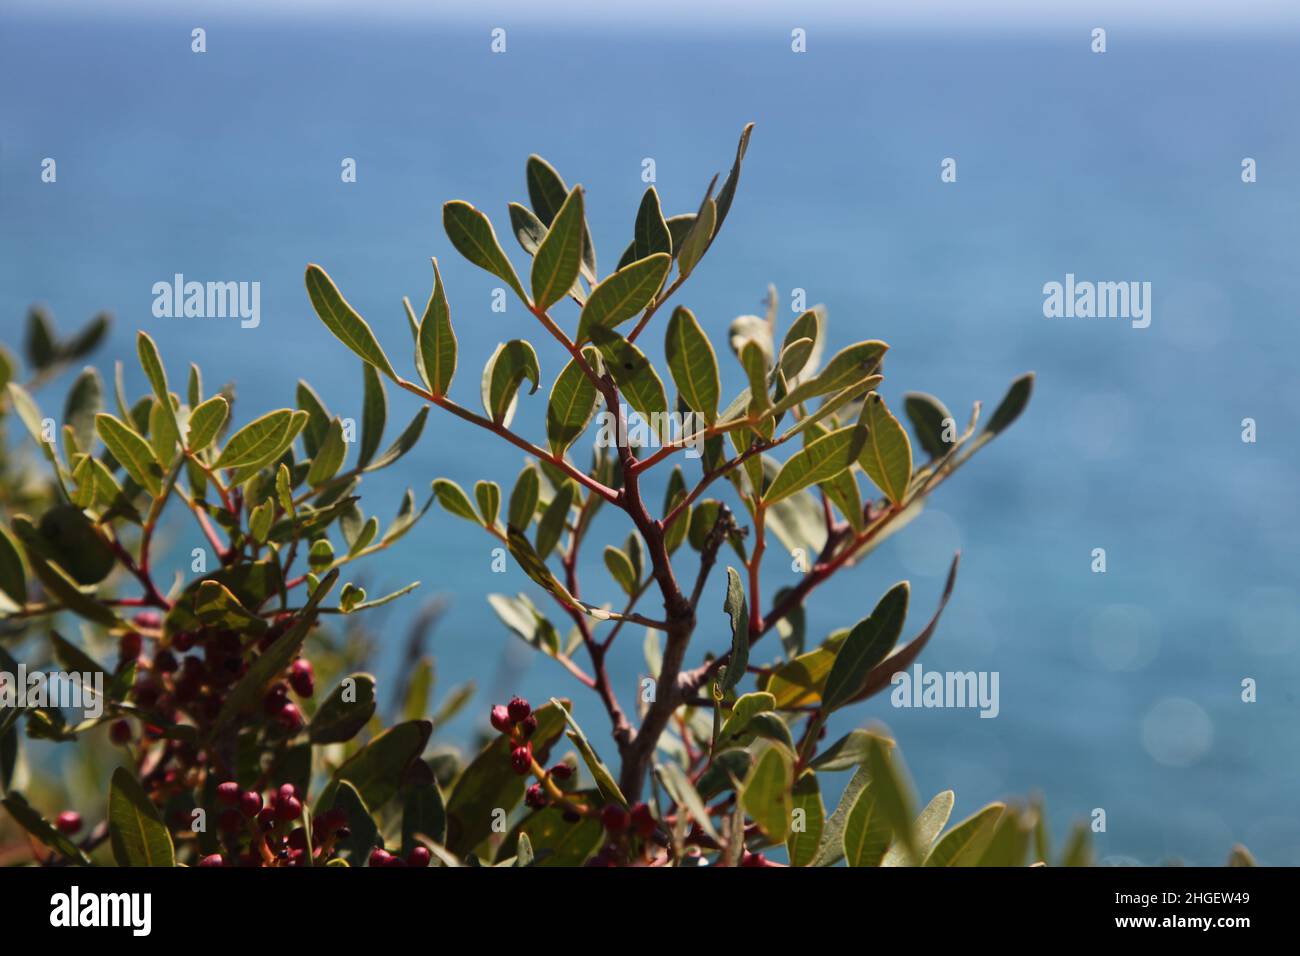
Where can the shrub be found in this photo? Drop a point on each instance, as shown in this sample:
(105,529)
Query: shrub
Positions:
(228,752)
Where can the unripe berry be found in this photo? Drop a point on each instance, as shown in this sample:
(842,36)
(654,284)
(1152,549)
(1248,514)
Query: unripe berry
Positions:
(518,709)
(419,856)
(68,822)
(228,793)
(214,859)
(148,619)
(301,678)
(119,732)
(289,717)
(290,809)
(614,818)
(521,758)
(501,718)
(128,648)
(250,803)
(642,820)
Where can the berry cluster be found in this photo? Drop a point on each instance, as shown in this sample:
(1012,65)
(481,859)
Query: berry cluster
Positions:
(517,720)
(271,831)
(629,831)
(187,681)
(419,856)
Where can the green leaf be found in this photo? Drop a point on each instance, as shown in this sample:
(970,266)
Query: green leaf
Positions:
(728,191)
(206,421)
(423,812)
(217,607)
(866,831)
(329,457)
(363,832)
(257,440)
(620,569)
(886,454)
(551,525)
(679,787)
(488,495)
(559,257)
(40,344)
(964,844)
(849,751)
(1012,404)
(135,828)
(547,192)
(650,233)
(374,415)
(867,645)
(846,368)
(692,363)
(131,451)
(84,402)
(929,823)
(453,499)
(556,842)
(634,375)
(572,404)
(152,364)
(523,499)
(435,356)
(737,610)
(377,769)
(821,460)
(609,791)
(30,819)
(806,832)
(766,794)
(623,294)
(404,443)
(928,416)
(510,364)
(69,538)
(698,239)
(341,319)
(891,794)
(13,580)
(742,712)
(343,714)
(470,231)
(522,618)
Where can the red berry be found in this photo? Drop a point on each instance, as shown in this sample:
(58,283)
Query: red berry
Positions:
(275,699)
(298,838)
(642,820)
(183,641)
(266,818)
(561,771)
(753,859)
(120,732)
(501,718)
(518,709)
(332,820)
(128,648)
(614,818)
(231,821)
(287,791)
(68,822)
(528,725)
(228,793)
(419,856)
(290,809)
(301,678)
(213,859)
(290,717)
(250,803)
(521,758)
(535,797)
(380,857)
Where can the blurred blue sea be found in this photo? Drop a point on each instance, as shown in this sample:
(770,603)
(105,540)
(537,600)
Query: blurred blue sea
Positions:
(1123,166)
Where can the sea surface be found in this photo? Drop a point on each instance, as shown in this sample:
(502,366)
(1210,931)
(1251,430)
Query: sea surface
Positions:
(1119,691)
